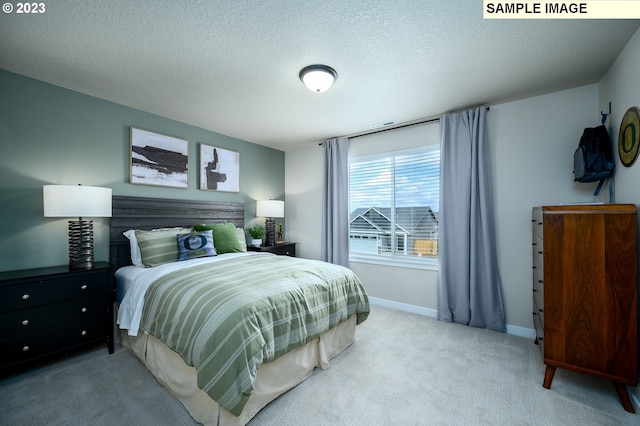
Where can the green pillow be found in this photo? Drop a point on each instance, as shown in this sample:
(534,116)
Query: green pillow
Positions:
(159,246)
(225,237)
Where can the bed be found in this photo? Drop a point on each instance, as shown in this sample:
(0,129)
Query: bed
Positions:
(229,331)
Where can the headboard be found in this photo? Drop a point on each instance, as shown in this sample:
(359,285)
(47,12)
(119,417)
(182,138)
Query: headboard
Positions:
(150,213)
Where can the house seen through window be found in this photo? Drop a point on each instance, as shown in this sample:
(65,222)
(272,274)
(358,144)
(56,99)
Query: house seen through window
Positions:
(394,205)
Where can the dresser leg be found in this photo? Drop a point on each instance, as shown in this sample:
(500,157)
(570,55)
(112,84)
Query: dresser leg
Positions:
(548,376)
(624,396)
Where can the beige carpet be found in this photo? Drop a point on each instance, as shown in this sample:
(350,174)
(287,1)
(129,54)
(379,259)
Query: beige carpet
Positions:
(406,369)
(403,369)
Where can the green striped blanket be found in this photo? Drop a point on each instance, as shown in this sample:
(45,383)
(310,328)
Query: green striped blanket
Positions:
(226,318)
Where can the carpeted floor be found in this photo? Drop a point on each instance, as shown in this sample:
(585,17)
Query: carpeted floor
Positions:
(403,369)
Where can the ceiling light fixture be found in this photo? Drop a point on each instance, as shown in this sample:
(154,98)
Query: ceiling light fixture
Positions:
(318,78)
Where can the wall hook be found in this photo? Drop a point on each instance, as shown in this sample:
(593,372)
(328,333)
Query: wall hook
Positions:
(605,114)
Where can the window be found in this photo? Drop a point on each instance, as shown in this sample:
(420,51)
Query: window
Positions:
(394,204)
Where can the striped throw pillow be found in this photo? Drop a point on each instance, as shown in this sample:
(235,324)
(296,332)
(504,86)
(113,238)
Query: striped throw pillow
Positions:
(159,246)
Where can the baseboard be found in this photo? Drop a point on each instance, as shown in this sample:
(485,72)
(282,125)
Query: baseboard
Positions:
(515,330)
(428,312)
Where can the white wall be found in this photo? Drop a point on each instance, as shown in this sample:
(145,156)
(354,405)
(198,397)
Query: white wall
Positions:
(303,195)
(621,87)
(532,142)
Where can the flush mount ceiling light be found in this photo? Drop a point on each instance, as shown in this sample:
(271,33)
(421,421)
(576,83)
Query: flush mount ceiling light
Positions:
(318,78)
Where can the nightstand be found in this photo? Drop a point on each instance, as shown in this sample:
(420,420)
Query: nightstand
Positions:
(284,249)
(49,311)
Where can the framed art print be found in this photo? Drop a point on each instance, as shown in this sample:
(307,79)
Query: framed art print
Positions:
(158,159)
(219,169)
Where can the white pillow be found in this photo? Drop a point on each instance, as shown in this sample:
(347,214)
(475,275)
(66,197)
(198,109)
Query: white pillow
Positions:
(242,238)
(136,256)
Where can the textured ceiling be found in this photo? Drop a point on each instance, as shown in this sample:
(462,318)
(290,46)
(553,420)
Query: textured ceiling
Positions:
(232,66)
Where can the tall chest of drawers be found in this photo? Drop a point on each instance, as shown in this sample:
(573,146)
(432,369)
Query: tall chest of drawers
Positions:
(52,310)
(585,300)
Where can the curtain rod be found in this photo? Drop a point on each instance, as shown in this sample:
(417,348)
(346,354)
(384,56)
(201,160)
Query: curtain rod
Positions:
(386,129)
(400,126)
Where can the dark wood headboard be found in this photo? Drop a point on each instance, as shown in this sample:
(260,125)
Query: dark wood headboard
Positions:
(150,213)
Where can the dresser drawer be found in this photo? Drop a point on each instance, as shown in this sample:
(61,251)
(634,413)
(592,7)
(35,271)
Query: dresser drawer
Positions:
(29,294)
(536,221)
(538,285)
(538,247)
(31,346)
(538,306)
(537,323)
(32,320)
(285,250)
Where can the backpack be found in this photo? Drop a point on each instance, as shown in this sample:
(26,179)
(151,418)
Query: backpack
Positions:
(593,160)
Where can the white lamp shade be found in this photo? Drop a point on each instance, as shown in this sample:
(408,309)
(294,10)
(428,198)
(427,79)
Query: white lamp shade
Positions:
(270,208)
(76,201)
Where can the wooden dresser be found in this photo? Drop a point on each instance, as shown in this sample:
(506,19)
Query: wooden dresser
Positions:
(585,298)
(47,311)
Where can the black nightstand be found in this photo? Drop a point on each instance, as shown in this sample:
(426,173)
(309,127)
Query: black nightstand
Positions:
(284,249)
(47,311)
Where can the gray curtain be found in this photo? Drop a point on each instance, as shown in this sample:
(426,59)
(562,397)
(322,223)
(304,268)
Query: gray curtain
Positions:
(335,202)
(469,288)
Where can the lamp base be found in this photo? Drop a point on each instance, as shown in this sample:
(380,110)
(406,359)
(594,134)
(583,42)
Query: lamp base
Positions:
(81,244)
(270,232)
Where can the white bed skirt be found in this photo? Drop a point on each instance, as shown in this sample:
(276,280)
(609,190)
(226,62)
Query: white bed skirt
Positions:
(272,379)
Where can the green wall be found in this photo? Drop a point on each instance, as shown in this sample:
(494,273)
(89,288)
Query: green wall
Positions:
(51,135)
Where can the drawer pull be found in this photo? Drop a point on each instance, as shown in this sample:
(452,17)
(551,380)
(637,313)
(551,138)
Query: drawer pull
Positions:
(25,349)
(83,287)
(84,332)
(25,322)
(83,310)
(25,297)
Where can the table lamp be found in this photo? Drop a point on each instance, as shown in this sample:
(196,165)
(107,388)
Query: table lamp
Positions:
(80,201)
(270,209)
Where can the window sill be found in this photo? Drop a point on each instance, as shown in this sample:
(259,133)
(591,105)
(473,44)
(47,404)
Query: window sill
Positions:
(426,264)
